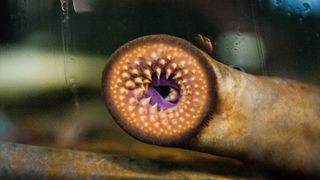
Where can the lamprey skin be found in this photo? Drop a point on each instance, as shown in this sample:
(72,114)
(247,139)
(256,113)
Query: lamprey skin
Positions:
(163,90)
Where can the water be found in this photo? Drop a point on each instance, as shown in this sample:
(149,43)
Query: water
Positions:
(52,55)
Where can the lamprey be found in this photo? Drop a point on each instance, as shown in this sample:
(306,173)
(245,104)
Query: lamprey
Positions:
(163,90)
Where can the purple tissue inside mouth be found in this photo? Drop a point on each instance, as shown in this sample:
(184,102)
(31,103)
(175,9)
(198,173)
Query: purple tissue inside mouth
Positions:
(156,96)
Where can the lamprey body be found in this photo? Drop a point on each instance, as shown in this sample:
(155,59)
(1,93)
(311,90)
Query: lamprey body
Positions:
(163,90)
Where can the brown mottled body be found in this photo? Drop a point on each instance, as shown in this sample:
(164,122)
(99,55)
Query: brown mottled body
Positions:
(269,121)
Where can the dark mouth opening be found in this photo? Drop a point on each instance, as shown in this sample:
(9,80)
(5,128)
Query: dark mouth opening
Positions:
(163,92)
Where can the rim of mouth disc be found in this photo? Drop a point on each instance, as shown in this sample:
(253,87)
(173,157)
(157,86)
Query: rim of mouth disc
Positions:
(160,89)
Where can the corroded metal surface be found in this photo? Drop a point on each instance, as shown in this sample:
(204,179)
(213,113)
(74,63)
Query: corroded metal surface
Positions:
(32,162)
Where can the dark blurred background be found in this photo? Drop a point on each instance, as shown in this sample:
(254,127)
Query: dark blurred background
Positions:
(288,34)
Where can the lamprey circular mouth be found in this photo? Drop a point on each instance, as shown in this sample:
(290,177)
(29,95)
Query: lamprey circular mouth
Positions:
(163,91)
(157,88)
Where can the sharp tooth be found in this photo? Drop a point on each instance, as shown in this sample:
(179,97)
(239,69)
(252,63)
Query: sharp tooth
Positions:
(147,73)
(178,75)
(123,90)
(173,95)
(136,62)
(174,65)
(181,119)
(162,61)
(138,92)
(132,115)
(164,122)
(149,63)
(153,108)
(168,73)
(132,100)
(131,108)
(184,81)
(162,114)
(125,67)
(138,80)
(142,118)
(157,124)
(125,75)
(141,110)
(185,71)
(135,71)
(121,98)
(129,84)
(182,63)
(144,87)
(146,124)
(158,71)
(154,55)
(146,81)
(145,101)
(153,118)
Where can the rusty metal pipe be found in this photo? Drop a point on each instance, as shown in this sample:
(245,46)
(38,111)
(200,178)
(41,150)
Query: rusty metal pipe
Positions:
(163,90)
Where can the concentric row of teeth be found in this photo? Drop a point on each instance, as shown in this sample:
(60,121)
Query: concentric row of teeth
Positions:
(135,77)
(132,76)
(151,68)
(147,115)
(138,79)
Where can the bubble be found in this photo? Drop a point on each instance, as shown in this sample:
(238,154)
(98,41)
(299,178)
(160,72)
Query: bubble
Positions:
(64,5)
(307,8)
(72,81)
(248,51)
(301,20)
(73,84)
(71,58)
(296,7)
(277,3)
(289,10)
